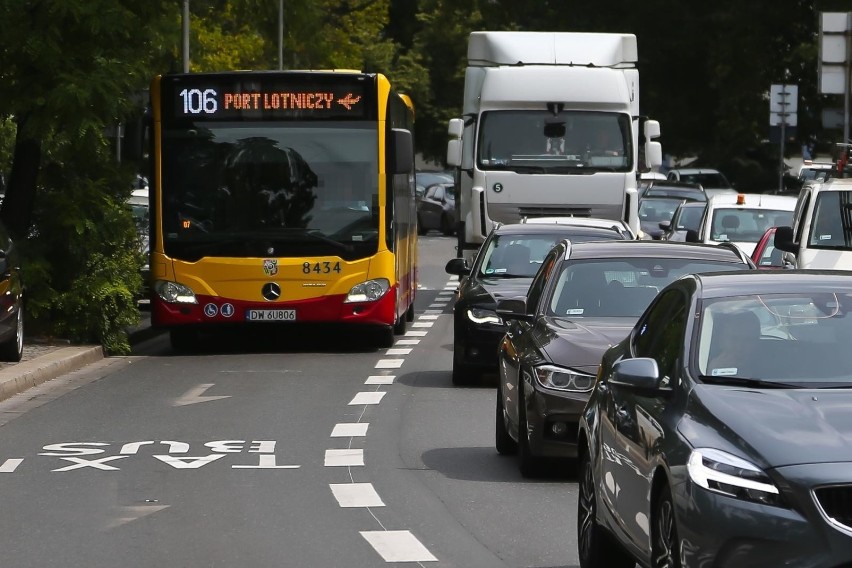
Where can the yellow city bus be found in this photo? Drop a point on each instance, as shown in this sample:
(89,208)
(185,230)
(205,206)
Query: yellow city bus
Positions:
(281,197)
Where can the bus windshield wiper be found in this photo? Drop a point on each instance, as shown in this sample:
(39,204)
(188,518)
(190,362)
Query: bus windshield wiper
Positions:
(311,233)
(734,380)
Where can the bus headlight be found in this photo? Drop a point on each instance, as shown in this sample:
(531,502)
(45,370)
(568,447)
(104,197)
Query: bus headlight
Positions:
(174,293)
(559,378)
(368,291)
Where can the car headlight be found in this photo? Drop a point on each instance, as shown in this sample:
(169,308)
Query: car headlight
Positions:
(559,378)
(174,293)
(735,477)
(484,317)
(368,291)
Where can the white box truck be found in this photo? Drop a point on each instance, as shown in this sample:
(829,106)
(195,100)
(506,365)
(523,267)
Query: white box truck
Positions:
(550,127)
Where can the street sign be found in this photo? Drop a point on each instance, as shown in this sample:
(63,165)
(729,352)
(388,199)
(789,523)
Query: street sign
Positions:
(783,104)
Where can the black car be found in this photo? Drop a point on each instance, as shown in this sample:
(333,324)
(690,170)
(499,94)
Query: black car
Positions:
(585,297)
(503,267)
(719,430)
(687,217)
(11,300)
(656,210)
(436,209)
(423,179)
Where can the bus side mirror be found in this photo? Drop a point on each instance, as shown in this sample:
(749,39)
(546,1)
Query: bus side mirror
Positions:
(403,151)
(783,240)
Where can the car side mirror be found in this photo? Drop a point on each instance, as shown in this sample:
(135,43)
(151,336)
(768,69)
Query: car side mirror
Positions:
(640,373)
(783,240)
(692,236)
(665,225)
(457,266)
(514,309)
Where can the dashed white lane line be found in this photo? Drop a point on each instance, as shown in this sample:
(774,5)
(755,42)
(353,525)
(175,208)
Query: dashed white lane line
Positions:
(398,546)
(389,363)
(350,429)
(356,495)
(10,465)
(350,457)
(431,312)
(407,341)
(415,333)
(399,351)
(445,293)
(380,380)
(428,317)
(423,324)
(367,398)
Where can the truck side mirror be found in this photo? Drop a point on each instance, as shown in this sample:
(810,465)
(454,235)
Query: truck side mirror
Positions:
(783,240)
(454,153)
(455,128)
(653,155)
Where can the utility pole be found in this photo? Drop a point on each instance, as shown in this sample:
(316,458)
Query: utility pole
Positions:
(783,107)
(185,35)
(280,35)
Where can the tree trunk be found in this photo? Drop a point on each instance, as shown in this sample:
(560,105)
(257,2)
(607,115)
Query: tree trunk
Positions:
(17,209)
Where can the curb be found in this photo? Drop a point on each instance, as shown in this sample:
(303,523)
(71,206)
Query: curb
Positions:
(22,376)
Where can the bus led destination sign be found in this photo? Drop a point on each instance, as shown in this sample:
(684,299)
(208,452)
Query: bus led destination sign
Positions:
(265,100)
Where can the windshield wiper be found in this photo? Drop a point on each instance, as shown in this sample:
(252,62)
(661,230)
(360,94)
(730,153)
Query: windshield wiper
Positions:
(314,234)
(734,380)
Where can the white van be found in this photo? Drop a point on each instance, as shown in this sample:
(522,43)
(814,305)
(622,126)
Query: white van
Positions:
(821,235)
(742,218)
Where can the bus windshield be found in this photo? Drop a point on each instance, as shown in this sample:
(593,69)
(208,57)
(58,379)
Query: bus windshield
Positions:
(533,141)
(263,189)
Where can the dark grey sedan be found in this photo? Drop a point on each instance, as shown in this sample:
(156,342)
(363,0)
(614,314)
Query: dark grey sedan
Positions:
(719,431)
(584,298)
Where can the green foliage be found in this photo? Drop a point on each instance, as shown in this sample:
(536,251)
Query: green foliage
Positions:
(81,262)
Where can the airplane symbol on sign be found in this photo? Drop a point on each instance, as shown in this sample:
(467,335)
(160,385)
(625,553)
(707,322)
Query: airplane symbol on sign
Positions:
(348,101)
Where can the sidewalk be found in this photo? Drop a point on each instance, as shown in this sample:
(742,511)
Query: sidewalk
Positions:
(42,362)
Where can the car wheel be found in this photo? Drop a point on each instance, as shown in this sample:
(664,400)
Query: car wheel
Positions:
(464,375)
(502,440)
(409,313)
(183,339)
(530,465)
(594,546)
(664,546)
(13,349)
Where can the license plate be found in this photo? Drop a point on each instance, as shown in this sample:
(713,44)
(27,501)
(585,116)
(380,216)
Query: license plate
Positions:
(271,315)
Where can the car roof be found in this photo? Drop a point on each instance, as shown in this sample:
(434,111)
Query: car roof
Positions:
(754,201)
(696,170)
(576,222)
(662,184)
(555,229)
(650,249)
(724,284)
(833,184)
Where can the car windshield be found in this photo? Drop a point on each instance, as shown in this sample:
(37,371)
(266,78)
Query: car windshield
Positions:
(831,227)
(688,218)
(510,256)
(746,225)
(788,338)
(620,287)
(657,209)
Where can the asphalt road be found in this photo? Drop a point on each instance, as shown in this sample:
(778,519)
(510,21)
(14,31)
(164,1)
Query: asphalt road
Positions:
(271,449)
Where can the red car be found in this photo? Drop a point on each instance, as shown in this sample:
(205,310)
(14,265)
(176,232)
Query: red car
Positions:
(765,254)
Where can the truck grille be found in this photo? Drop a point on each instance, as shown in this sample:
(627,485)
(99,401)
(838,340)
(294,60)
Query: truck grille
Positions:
(836,503)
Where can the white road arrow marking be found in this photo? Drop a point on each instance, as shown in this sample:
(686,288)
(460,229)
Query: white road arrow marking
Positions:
(194,395)
(134,512)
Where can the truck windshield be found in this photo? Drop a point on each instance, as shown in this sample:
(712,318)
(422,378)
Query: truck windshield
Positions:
(831,227)
(532,141)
